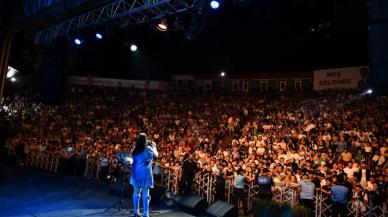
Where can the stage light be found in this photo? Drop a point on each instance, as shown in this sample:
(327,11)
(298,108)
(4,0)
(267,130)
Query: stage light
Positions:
(13,79)
(222,74)
(369,91)
(78,41)
(170,199)
(215,4)
(98,36)
(133,47)
(129,160)
(123,158)
(162,26)
(11,72)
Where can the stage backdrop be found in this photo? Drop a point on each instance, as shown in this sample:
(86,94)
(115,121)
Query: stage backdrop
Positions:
(341,78)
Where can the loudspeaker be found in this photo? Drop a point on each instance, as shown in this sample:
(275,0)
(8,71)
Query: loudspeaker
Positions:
(222,209)
(193,204)
(156,194)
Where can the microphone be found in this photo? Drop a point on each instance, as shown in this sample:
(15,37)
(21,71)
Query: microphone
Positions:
(153,146)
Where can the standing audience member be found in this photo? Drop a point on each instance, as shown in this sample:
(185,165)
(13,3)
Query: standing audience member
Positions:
(307,188)
(189,169)
(219,186)
(265,183)
(340,196)
(240,182)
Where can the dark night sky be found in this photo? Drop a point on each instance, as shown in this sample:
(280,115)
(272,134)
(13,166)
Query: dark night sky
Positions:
(266,36)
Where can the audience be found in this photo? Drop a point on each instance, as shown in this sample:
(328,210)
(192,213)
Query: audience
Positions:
(293,138)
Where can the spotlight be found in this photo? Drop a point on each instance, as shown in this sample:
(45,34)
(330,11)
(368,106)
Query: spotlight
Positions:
(77,41)
(129,160)
(170,198)
(215,4)
(369,91)
(11,72)
(13,79)
(98,36)
(123,158)
(222,74)
(133,47)
(162,26)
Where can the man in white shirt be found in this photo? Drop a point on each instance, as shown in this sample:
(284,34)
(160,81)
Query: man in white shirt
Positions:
(260,150)
(349,170)
(363,176)
(378,159)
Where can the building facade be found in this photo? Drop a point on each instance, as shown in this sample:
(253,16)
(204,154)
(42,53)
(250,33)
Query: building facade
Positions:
(245,82)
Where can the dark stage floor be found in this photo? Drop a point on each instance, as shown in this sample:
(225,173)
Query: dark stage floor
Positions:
(32,192)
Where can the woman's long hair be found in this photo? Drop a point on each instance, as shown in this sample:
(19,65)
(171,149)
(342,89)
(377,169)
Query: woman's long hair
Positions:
(140,144)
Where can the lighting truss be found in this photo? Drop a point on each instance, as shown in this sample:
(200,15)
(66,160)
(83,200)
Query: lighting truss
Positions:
(120,12)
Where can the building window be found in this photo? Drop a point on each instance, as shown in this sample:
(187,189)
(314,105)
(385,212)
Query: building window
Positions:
(183,84)
(282,85)
(263,85)
(207,85)
(245,85)
(235,85)
(298,84)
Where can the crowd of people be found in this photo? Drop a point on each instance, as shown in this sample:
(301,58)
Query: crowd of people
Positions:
(311,141)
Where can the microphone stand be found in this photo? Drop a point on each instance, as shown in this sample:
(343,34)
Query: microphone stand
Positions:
(120,202)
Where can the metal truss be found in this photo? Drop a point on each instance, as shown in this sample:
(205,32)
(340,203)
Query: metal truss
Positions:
(120,12)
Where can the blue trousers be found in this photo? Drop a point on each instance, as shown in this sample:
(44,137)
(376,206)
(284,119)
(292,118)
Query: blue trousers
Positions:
(146,198)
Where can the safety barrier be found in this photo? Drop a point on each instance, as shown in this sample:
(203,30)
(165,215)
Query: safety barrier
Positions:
(357,207)
(204,185)
(169,179)
(43,160)
(229,190)
(91,169)
(51,162)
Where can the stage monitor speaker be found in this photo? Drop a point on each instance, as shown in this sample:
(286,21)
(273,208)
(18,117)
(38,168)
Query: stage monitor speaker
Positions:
(222,209)
(193,204)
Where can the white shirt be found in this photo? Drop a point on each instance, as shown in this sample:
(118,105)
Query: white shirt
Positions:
(349,172)
(260,151)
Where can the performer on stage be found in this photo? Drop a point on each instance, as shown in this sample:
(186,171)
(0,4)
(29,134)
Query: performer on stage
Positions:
(141,178)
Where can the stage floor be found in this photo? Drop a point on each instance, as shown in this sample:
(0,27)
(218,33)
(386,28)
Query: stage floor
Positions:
(32,192)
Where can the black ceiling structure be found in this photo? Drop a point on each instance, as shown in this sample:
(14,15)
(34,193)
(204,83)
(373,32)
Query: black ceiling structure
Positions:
(121,13)
(243,36)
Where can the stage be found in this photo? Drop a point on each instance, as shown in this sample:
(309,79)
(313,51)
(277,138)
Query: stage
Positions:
(32,192)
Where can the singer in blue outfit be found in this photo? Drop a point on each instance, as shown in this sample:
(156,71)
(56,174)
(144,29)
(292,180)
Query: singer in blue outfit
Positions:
(141,178)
